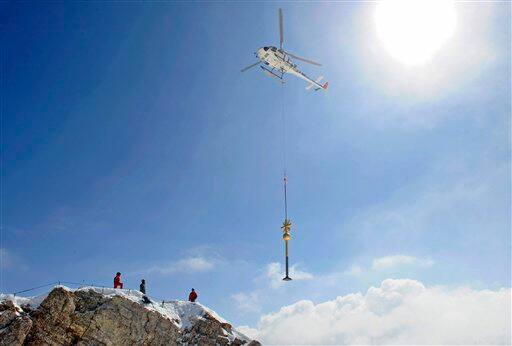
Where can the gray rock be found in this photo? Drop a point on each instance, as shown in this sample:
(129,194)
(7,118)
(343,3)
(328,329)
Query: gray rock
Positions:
(85,317)
(14,326)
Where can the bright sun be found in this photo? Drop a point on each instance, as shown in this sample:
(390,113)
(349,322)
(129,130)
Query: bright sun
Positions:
(413,30)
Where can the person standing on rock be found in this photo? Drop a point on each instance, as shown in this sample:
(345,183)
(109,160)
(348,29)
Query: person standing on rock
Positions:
(117,281)
(142,289)
(142,286)
(192,296)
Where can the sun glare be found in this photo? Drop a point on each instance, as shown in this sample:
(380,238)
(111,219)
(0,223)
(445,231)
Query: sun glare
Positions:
(413,30)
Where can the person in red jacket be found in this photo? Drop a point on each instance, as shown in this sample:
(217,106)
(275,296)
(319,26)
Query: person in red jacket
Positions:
(192,296)
(117,281)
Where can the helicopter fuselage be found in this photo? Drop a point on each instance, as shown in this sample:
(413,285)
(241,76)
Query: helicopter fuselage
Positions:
(278,63)
(276,59)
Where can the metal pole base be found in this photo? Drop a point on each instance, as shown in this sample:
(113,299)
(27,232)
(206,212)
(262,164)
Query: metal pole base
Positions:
(287,278)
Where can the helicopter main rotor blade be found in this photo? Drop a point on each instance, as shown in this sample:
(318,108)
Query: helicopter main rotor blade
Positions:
(281,29)
(250,66)
(303,59)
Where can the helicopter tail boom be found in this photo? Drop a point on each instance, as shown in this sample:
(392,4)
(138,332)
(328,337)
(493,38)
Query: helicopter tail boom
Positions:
(316,84)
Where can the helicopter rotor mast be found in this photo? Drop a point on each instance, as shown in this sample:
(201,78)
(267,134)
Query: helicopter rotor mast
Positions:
(281,35)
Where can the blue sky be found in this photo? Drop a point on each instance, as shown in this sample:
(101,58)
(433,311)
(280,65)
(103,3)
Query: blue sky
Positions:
(132,143)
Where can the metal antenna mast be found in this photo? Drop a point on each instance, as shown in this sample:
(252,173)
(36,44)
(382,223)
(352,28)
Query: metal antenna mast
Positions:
(287,225)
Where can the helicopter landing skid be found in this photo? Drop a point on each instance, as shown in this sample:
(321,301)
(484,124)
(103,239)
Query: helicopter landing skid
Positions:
(273,74)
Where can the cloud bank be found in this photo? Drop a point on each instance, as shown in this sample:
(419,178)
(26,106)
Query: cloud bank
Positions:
(187,265)
(271,279)
(398,312)
(275,274)
(399,260)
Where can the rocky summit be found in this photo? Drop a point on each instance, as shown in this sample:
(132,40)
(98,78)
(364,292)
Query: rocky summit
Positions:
(96,316)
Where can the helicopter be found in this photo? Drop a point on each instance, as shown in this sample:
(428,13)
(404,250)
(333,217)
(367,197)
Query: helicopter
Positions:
(276,62)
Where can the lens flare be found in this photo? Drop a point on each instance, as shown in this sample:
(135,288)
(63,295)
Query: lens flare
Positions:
(412,31)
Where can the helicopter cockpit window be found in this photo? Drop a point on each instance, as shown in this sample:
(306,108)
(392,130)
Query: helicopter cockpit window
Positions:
(265,48)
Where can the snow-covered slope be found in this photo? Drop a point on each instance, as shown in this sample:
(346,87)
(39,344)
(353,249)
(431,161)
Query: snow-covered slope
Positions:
(110,316)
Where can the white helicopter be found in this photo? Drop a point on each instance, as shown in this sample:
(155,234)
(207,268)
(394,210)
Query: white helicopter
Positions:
(276,62)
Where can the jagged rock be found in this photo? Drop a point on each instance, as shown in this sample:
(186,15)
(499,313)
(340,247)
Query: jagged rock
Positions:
(207,330)
(8,313)
(88,317)
(14,326)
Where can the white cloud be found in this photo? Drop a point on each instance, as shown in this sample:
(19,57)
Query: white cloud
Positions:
(195,264)
(11,261)
(397,312)
(190,264)
(275,274)
(5,259)
(458,205)
(354,270)
(399,260)
(271,279)
(248,331)
(247,302)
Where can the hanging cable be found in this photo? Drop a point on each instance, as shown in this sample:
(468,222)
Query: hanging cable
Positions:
(285,199)
(285,178)
(284,139)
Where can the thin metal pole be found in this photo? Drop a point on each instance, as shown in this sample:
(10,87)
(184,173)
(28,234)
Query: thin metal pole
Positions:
(286,247)
(287,277)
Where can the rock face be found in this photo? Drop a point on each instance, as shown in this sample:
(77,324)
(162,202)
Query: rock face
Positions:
(86,317)
(13,326)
